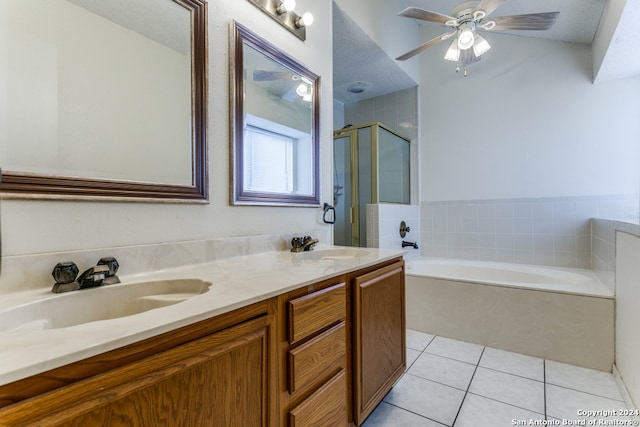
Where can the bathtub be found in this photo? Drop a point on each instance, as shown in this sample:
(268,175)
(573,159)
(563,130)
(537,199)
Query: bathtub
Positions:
(566,315)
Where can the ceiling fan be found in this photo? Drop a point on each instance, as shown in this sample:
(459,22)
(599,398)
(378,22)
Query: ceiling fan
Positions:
(300,87)
(465,20)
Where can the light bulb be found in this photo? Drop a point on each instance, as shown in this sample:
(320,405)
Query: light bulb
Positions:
(286,6)
(465,38)
(480,46)
(305,20)
(301,90)
(453,53)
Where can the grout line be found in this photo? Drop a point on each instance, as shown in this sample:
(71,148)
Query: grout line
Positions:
(514,375)
(414,413)
(435,382)
(505,403)
(544,378)
(586,392)
(468,387)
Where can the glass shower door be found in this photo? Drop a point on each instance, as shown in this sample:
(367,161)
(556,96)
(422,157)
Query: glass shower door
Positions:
(393,168)
(342,233)
(371,165)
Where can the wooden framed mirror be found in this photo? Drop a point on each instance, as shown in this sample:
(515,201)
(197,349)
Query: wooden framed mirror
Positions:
(275,121)
(110,103)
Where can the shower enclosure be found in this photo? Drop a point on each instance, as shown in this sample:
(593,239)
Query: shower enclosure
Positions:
(370,165)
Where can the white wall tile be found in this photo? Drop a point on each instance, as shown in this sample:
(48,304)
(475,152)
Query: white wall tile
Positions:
(546,231)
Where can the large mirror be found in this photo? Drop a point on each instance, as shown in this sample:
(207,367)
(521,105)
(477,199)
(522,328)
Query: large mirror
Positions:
(104,99)
(275,143)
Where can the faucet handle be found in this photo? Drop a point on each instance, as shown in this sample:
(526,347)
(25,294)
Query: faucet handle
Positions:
(113,266)
(110,262)
(65,272)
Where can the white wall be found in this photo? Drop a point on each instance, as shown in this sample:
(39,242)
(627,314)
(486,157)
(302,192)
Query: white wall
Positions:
(526,122)
(628,312)
(606,30)
(31,226)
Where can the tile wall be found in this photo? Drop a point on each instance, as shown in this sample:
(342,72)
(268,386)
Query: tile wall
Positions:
(543,231)
(603,249)
(397,110)
(383,227)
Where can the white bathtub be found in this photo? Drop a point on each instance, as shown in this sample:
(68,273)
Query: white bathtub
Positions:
(566,315)
(563,280)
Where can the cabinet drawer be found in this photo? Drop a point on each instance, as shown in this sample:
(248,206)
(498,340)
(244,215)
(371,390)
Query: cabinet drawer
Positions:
(317,360)
(325,407)
(311,313)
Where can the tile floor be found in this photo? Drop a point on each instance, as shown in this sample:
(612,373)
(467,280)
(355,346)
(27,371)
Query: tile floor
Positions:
(455,383)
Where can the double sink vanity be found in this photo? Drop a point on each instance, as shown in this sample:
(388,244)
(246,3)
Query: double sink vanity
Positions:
(269,339)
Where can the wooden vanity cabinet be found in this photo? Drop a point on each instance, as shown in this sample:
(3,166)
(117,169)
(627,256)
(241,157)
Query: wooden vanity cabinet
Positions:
(314,351)
(225,378)
(322,355)
(379,354)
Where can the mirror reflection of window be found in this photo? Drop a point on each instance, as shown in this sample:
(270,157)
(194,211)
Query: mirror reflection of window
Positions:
(267,161)
(274,158)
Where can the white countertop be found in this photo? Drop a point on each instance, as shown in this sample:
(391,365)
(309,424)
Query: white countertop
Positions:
(236,282)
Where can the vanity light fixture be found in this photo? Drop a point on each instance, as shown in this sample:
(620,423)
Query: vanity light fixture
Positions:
(286,6)
(283,12)
(305,20)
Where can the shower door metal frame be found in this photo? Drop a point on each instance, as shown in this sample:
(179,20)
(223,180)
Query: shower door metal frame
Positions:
(352,133)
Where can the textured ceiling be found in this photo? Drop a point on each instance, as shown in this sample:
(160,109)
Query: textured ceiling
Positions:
(356,58)
(578,23)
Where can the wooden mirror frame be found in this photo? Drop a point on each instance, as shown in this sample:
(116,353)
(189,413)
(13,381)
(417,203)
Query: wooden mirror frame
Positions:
(239,36)
(39,186)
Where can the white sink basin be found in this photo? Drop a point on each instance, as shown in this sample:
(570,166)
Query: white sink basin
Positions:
(333,254)
(106,302)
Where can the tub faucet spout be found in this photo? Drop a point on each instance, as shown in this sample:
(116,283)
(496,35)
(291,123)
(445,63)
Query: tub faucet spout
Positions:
(414,245)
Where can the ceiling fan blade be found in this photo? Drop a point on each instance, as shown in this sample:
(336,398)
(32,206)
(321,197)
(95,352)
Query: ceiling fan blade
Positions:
(425,15)
(488,6)
(265,76)
(422,47)
(533,21)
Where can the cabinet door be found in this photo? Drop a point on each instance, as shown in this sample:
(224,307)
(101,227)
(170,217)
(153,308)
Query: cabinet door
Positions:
(219,380)
(379,350)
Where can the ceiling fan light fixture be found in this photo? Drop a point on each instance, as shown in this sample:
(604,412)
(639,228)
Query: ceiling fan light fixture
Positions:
(465,37)
(453,53)
(302,89)
(480,46)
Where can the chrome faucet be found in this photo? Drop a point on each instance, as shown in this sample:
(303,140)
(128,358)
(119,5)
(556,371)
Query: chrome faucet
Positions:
(303,244)
(93,277)
(65,273)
